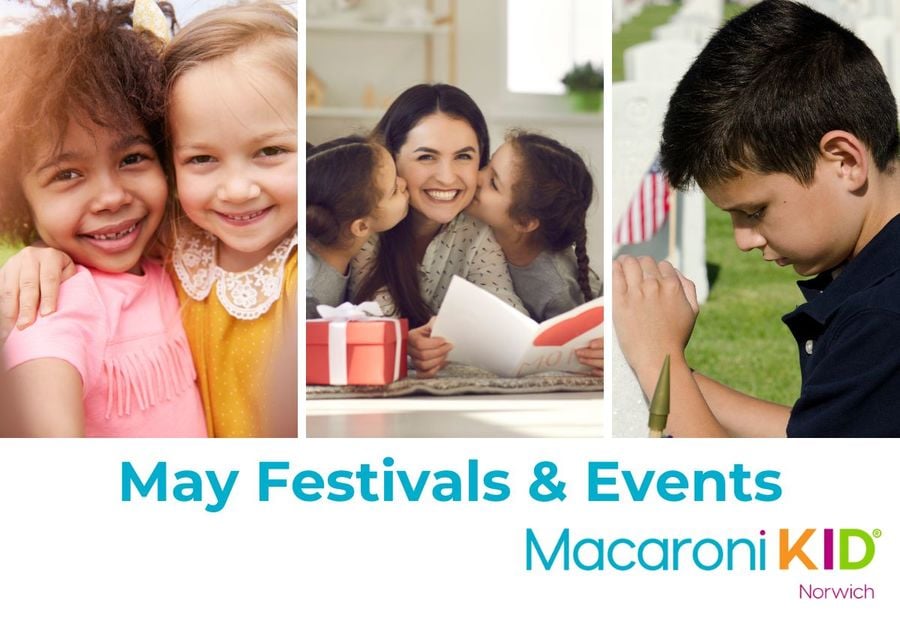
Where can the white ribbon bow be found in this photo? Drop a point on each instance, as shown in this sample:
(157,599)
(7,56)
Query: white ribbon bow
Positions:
(348,312)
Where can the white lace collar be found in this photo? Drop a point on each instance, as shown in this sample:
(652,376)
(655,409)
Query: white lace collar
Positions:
(244,294)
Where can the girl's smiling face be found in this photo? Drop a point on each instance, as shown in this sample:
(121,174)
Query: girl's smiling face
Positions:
(494,196)
(234,134)
(439,162)
(100,197)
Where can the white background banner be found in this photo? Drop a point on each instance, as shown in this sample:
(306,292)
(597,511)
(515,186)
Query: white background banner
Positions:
(73,553)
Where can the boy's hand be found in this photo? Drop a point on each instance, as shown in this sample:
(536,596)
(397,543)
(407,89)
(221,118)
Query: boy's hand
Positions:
(429,354)
(28,280)
(592,356)
(654,310)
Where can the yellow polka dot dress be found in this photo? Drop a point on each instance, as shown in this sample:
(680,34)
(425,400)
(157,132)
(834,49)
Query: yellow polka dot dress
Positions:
(234,323)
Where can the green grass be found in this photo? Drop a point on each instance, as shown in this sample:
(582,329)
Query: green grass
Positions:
(732,9)
(640,28)
(6,251)
(636,31)
(739,338)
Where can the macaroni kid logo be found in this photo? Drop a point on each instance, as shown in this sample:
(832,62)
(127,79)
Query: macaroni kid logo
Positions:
(828,549)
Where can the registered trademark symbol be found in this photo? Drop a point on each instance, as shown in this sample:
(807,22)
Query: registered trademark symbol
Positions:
(876,533)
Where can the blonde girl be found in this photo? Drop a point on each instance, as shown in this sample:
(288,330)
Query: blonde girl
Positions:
(232,122)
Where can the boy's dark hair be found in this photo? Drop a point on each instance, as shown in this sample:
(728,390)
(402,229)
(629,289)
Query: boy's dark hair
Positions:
(554,186)
(340,186)
(766,88)
(76,59)
(395,265)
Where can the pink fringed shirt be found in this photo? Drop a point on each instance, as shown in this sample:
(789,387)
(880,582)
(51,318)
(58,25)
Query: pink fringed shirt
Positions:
(123,334)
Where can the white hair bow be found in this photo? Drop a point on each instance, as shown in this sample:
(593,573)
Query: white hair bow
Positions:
(147,16)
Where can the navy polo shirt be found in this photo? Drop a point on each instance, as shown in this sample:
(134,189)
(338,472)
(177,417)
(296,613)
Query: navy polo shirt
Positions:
(848,335)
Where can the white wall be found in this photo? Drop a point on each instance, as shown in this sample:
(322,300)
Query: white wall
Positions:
(391,63)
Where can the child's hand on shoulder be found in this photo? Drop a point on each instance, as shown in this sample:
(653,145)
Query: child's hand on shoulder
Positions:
(30,279)
(429,354)
(592,356)
(654,309)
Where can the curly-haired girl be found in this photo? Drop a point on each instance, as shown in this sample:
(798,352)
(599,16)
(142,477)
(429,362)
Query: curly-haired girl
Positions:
(80,168)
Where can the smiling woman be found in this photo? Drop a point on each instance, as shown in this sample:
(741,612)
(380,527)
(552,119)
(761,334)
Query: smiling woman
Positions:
(439,161)
(438,136)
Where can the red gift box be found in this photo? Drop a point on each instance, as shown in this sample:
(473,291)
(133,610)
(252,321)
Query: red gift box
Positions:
(371,351)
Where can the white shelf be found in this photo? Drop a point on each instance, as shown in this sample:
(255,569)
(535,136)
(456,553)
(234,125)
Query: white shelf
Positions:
(368,31)
(344,112)
(359,26)
(573,119)
(564,118)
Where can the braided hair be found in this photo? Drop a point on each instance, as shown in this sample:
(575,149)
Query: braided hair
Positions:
(555,187)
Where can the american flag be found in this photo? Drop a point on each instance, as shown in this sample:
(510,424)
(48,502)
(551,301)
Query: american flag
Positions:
(647,210)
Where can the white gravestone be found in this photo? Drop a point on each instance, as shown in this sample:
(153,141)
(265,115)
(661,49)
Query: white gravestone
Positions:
(664,62)
(660,61)
(694,28)
(876,32)
(893,68)
(638,110)
(711,9)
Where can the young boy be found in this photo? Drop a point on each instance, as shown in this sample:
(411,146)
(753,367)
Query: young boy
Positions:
(786,122)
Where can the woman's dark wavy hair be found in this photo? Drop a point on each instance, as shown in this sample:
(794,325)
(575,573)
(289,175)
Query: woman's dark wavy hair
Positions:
(395,265)
(764,91)
(75,59)
(340,186)
(554,186)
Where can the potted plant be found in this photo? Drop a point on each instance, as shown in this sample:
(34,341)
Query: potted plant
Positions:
(584,85)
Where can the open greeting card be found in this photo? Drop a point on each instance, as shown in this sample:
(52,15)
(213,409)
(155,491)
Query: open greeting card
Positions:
(489,333)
